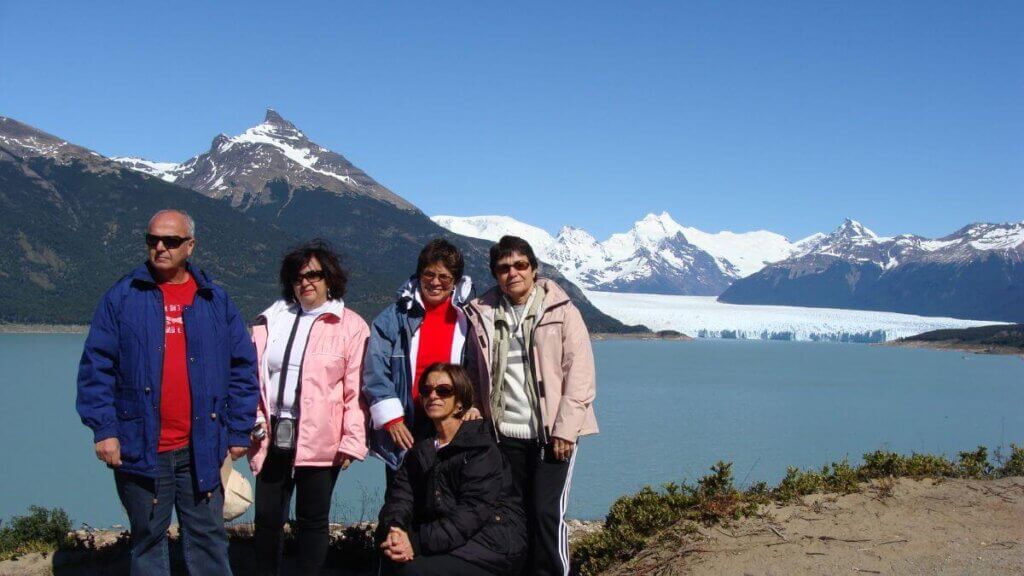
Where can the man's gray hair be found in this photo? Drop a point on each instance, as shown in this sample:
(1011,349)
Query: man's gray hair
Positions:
(190,224)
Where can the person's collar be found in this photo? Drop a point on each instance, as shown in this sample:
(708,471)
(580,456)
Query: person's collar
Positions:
(143,273)
(335,307)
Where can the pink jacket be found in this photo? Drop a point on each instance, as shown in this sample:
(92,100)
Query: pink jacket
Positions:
(332,416)
(562,361)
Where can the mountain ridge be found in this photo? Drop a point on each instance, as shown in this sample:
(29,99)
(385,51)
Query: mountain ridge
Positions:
(903,273)
(48,184)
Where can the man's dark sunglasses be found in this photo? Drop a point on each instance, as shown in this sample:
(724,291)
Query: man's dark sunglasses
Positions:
(170,242)
(442,390)
(520,265)
(311,276)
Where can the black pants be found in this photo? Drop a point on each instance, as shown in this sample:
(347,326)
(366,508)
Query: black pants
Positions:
(543,483)
(437,565)
(313,487)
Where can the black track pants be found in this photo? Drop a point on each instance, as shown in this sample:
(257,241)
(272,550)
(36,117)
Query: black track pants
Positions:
(543,483)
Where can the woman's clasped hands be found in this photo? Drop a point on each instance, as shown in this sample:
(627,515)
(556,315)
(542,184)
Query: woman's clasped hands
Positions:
(397,546)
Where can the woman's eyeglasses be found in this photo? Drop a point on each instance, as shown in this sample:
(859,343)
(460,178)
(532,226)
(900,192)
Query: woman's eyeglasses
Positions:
(170,242)
(310,276)
(445,279)
(520,265)
(442,390)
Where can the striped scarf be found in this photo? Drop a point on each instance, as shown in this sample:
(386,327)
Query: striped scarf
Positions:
(502,340)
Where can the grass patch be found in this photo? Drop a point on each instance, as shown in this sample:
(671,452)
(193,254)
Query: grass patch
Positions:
(633,520)
(41,530)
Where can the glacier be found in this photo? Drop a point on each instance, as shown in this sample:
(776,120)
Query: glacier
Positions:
(705,317)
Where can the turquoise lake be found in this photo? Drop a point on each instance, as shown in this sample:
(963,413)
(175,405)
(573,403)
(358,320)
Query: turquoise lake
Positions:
(667,412)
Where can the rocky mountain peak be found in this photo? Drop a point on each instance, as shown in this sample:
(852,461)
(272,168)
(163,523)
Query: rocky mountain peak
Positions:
(220,140)
(275,119)
(239,168)
(853,229)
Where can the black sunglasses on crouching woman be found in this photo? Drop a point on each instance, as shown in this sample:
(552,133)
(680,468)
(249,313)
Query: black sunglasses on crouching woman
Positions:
(442,390)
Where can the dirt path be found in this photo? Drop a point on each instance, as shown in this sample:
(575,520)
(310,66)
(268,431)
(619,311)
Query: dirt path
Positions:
(901,527)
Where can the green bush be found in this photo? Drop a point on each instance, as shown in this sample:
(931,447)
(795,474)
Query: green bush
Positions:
(41,530)
(1014,465)
(836,477)
(975,464)
(633,520)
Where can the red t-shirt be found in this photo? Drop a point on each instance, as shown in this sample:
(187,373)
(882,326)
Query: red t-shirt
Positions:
(175,396)
(437,333)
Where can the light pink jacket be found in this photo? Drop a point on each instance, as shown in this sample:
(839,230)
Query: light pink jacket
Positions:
(332,415)
(562,361)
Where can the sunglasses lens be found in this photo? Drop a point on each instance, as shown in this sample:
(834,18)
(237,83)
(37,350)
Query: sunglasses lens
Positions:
(445,279)
(170,242)
(519,265)
(442,391)
(311,276)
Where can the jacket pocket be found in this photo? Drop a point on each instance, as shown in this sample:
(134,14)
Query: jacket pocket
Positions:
(131,429)
(495,536)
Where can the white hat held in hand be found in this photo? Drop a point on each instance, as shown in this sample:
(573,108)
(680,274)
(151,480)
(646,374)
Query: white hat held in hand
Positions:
(237,491)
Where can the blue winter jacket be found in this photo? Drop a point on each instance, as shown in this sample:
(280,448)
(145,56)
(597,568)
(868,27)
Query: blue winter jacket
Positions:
(388,367)
(120,374)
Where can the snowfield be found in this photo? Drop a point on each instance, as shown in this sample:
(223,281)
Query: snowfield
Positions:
(705,317)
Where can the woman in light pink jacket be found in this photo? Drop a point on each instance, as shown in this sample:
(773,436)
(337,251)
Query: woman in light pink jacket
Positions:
(310,424)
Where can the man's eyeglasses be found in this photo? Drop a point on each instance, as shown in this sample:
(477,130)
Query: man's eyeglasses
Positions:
(520,265)
(429,276)
(311,276)
(170,242)
(442,390)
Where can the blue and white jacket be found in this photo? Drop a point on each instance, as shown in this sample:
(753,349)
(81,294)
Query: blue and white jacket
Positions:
(391,362)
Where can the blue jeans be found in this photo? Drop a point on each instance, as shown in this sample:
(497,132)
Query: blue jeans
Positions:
(149,503)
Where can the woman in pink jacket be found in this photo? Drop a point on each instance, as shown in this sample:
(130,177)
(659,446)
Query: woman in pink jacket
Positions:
(310,424)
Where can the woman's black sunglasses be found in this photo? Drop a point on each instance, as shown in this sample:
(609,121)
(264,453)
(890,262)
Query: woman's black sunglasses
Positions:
(311,276)
(442,390)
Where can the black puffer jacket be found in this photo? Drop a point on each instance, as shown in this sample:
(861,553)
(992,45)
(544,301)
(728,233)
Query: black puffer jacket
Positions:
(458,500)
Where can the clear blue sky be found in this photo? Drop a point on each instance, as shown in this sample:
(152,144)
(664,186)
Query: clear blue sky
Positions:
(908,116)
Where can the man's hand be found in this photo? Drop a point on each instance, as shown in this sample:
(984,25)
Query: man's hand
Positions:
(109,451)
(562,448)
(471,414)
(345,463)
(237,452)
(397,546)
(400,435)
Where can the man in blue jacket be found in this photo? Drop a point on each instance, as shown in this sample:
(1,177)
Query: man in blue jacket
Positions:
(167,384)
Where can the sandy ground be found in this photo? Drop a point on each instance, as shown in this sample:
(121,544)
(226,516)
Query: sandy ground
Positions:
(899,527)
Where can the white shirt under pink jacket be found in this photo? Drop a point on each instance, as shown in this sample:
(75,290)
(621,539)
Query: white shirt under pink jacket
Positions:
(332,418)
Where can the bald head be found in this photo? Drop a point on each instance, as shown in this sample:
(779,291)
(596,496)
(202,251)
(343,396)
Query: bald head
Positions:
(176,218)
(170,238)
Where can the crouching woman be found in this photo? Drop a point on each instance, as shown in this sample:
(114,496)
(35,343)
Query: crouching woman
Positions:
(451,508)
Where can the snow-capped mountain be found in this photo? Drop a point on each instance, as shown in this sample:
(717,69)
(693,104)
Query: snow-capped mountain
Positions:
(20,140)
(494,227)
(976,272)
(240,167)
(854,242)
(166,171)
(657,255)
